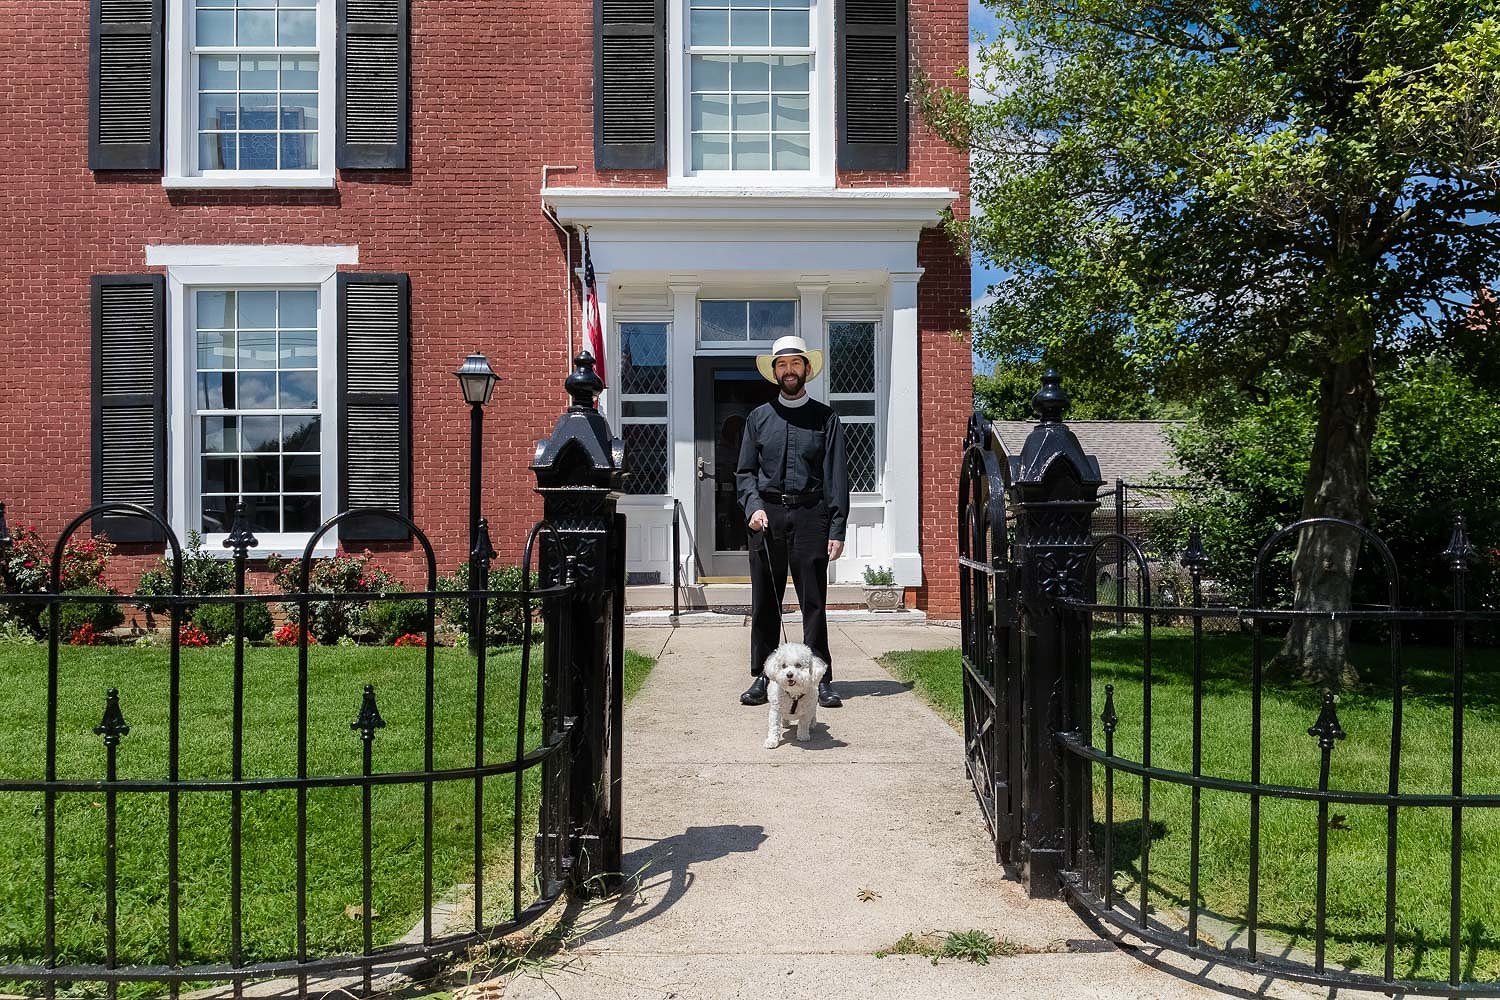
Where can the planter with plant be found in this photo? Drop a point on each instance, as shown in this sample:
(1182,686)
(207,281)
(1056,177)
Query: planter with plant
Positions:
(881,592)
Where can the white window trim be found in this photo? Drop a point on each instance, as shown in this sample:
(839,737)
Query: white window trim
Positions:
(183,501)
(823,141)
(182,116)
(881,393)
(664,421)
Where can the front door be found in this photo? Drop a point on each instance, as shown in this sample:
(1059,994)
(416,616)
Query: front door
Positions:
(725,390)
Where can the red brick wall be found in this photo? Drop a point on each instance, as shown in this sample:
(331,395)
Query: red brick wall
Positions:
(496,93)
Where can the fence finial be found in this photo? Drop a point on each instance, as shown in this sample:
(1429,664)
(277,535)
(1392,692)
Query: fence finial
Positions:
(369,716)
(1460,551)
(1109,716)
(5,539)
(1327,728)
(113,726)
(1052,401)
(1194,557)
(240,538)
(484,551)
(584,385)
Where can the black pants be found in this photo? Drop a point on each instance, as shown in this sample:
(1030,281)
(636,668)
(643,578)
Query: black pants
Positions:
(798,536)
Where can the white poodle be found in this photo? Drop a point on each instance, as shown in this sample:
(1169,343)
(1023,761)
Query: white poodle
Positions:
(793,672)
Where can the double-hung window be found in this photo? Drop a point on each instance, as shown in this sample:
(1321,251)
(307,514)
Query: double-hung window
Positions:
(254,93)
(853,396)
(643,405)
(751,87)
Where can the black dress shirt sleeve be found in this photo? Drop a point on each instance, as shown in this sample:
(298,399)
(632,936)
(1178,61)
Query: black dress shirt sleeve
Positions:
(747,471)
(836,478)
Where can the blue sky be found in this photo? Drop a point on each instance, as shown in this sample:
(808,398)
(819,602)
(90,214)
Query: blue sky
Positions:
(981,20)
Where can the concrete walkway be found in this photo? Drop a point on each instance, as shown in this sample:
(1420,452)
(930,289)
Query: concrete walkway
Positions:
(752,862)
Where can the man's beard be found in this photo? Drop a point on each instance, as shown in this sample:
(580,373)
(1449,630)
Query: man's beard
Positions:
(796,387)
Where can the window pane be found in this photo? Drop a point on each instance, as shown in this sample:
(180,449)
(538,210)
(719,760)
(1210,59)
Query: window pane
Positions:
(215,27)
(257,27)
(710,73)
(643,359)
(723,321)
(215,350)
(299,390)
(299,349)
(851,357)
(214,110)
(298,309)
(643,408)
(299,111)
(770,320)
(217,515)
(303,513)
(790,114)
(300,474)
(711,151)
(215,392)
(792,152)
(297,27)
(220,434)
(260,433)
(257,111)
(215,310)
(301,433)
(299,74)
(709,27)
(257,310)
(750,27)
(216,151)
(263,513)
(750,74)
(257,73)
(790,74)
(710,113)
(854,407)
(258,151)
(217,72)
(752,152)
(645,458)
(221,475)
(299,151)
(752,114)
(258,349)
(789,27)
(859,442)
(262,473)
(257,391)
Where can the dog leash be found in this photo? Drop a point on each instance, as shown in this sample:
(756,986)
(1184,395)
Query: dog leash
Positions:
(765,542)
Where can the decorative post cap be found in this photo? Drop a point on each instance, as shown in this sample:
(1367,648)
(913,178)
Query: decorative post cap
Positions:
(5,539)
(1327,728)
(1109,716)
(240,538)
(1052,401)
(369,716)
(484,550)
(1459,553)
(113,726)
(584,385)
(1193,557)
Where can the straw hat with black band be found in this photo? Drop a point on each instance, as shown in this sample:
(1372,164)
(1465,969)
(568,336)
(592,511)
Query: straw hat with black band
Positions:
(785,347)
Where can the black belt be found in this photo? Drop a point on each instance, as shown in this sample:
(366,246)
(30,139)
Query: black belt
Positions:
(792,499)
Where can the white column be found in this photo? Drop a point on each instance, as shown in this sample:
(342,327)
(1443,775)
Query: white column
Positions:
(683,479)
(812,290)
(903,435)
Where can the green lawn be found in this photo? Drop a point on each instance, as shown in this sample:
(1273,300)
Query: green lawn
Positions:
(337,679)
(1356,880)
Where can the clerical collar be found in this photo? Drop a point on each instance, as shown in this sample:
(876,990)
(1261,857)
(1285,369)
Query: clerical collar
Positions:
(793,403)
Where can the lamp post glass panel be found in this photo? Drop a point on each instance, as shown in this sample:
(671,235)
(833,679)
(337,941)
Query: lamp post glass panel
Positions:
(477,381)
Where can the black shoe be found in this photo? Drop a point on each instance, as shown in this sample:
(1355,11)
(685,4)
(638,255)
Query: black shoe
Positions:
(755,694)
(826,697)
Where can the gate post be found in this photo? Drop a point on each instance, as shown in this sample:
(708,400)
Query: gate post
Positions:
(1055,489)
(578,471)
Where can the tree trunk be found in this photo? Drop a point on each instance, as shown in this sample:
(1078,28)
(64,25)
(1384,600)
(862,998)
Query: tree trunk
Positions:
(1338,485)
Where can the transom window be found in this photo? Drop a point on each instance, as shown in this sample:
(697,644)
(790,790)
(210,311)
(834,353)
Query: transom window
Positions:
(257,70)
(643,405)
(257,408)
(736,321)
(750,73)
(852,394)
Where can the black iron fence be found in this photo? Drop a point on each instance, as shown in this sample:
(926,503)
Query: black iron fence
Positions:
(535,793)
(1113,769)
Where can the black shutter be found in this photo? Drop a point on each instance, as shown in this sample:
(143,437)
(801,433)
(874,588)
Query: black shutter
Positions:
(872,84)
(130,401)
(374,85)
(125,84)
(630,84)
(374,402)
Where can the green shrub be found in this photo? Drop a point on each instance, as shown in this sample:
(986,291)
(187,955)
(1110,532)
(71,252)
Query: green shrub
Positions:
(217,621)
(390,620)
(103,616)
(202,573)
(345,573)
(506,616)
(26,568)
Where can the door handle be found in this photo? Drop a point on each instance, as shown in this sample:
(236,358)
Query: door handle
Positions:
(704,472)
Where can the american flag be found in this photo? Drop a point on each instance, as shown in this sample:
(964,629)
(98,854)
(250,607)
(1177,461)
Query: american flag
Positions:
(593,330)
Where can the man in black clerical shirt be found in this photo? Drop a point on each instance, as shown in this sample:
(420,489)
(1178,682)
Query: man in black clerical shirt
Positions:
(793,483)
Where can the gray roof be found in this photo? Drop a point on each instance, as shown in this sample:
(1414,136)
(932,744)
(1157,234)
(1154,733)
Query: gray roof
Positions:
(1136,451)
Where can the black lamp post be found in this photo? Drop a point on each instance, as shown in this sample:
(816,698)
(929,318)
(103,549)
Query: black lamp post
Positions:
(477,381)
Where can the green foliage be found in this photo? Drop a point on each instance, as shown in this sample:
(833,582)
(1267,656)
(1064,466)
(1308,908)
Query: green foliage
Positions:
(965,946)
(390,620)
(103,616)
(345,573)
(1116,395)
(879,576)
(217,621)
(26,568)
(202,573)
(1433,457)
(506,616)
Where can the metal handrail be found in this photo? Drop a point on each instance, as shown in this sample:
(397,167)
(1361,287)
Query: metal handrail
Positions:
(677,529)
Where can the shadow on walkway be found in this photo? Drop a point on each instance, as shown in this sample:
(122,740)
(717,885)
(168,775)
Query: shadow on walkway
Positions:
(663,870)
(869,688)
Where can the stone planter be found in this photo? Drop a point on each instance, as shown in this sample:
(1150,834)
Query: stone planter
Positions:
(884,599)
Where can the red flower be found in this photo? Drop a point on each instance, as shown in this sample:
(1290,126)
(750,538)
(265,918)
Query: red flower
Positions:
(192,637)
(84,635)
(290,635)
(411,639)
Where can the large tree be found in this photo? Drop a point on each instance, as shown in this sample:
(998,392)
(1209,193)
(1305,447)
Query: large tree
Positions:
(1213,190)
